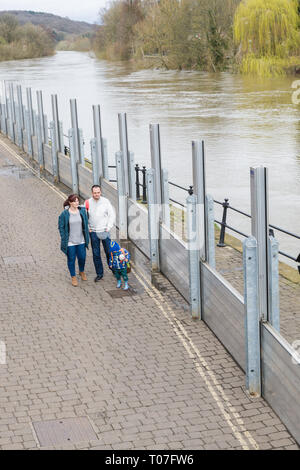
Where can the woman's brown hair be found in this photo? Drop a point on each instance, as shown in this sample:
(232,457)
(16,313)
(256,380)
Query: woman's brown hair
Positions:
(71,198)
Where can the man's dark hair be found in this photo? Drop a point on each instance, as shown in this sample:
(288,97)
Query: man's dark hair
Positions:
(96,186)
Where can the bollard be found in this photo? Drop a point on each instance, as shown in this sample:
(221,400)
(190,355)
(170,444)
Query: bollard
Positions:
(274,309)
(122,198)
(74,162)
(165,198)
(225,205)
(194,257)
(137,182)
(210,231)
(252,317)
(153,222)
(54,148)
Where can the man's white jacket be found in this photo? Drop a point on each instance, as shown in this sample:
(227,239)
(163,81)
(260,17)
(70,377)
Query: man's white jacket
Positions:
(101,215)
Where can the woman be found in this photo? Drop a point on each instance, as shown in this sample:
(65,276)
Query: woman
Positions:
(74,232)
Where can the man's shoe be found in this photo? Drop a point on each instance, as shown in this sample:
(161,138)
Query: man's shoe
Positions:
(98,278)
(83,276)
(126,286)
(74,281)
(119,283)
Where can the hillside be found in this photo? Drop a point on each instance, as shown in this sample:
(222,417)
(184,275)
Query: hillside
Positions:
(62,26)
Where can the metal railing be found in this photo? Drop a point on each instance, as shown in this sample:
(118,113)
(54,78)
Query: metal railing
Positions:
(224,225)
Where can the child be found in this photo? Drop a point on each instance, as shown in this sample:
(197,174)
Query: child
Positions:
(119,257)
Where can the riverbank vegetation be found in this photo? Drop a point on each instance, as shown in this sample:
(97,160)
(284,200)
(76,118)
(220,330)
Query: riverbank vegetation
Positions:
(82,43)
(252,36)
(23,42)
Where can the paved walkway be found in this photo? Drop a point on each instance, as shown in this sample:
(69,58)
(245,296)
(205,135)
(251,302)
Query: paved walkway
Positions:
(137,370)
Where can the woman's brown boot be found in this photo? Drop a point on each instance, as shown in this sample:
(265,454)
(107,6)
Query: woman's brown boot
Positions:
(83,276)
(74,281)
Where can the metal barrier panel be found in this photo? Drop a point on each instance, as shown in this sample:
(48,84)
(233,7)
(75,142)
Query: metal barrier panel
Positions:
(138,226)
(25,144)
(35,148)
(48,159)
(281,378)
(174,261)
(64,165)
(223,312)
(85,180)
(111,193)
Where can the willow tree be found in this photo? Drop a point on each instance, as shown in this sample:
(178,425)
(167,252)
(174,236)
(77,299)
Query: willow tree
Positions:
(267,29)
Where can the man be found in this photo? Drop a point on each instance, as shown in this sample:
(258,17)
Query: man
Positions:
(101,220)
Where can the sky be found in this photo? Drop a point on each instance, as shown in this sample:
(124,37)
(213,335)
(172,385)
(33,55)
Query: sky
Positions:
(82,10)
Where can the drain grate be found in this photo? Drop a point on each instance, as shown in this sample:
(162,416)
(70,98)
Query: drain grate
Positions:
(118,293)
(64,431)
(15,260)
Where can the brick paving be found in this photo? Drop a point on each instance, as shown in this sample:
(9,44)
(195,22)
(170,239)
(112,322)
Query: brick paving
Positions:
(144,373)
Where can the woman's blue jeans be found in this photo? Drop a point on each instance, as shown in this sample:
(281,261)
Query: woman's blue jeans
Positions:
(79,252)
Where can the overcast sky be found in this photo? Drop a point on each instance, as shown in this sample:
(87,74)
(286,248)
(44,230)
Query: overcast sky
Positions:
(85,10)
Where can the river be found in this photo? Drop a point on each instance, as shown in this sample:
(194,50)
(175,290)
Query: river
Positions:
(244,121)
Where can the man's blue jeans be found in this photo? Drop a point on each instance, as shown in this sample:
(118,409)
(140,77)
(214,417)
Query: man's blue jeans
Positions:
(78,251)
(96,252)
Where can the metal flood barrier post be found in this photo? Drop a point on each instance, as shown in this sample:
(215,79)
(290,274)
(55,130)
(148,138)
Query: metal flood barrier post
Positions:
(194,260)
(11,112)
(30,125)
(76,133)
(40,142)
(156,160)
(54,149)
(39,96)
(94,156)
(165,198)
(199,187)
(252,317)
(105,160)
(97,141)
(274,310)
(74,161)
(260,230)
(55,118)
(123,137)
(210,231)
(20,116)
(153,222)
(122,197)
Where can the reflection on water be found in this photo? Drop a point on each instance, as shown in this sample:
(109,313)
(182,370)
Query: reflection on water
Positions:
(244,121)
